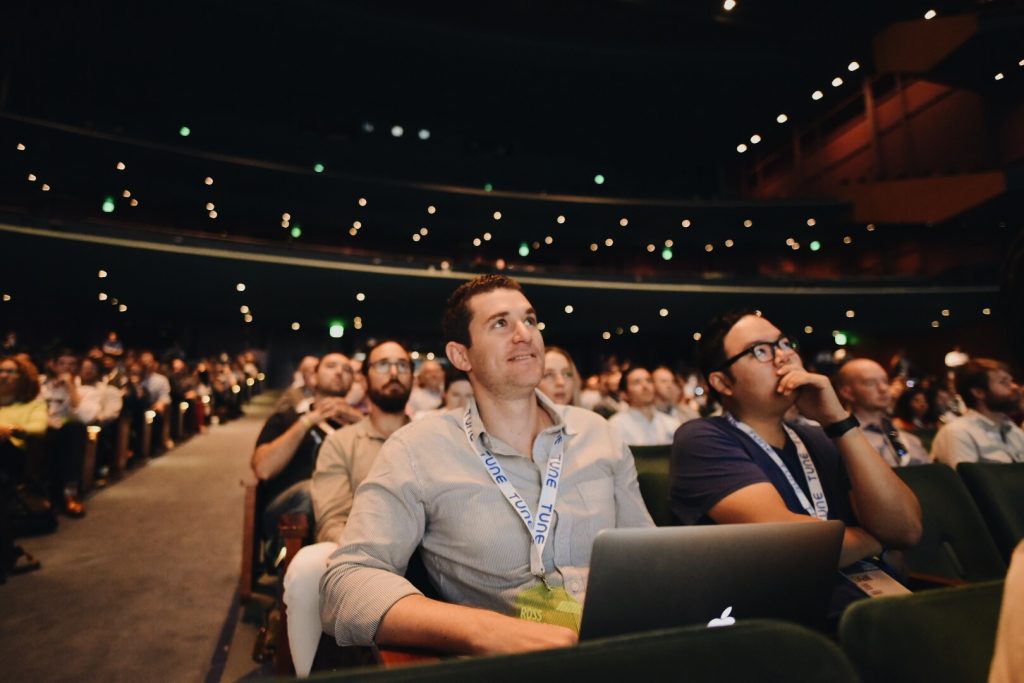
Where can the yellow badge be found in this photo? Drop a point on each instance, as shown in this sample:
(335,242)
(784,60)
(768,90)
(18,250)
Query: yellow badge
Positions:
(550,606)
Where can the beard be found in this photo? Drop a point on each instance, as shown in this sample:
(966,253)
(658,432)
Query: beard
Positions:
(1006,404)
(391,398)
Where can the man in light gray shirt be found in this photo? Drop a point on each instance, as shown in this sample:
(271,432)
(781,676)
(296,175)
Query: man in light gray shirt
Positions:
(985,433)
(503,500)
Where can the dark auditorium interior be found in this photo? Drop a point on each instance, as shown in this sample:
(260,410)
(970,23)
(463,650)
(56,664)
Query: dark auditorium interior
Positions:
(242,185)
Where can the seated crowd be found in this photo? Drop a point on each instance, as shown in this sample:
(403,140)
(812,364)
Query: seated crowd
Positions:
(87,419)
(454,469)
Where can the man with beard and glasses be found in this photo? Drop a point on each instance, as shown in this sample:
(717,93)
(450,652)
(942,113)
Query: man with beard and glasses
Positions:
(985,433)
(344,460)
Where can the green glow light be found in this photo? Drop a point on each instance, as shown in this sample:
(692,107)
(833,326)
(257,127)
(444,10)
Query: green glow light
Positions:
(488,187)
(108,205)
(815,245)
(666,254)
(297,232)
(318,168)
(184,131)
(524,249)
(336,329)
(840,339)
(599,179)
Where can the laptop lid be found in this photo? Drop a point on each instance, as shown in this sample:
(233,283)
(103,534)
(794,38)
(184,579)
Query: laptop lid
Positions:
(644,579)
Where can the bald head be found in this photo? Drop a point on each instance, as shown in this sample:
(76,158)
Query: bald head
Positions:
(863,385)
(431,376)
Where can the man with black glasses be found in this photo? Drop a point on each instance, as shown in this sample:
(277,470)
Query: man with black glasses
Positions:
(750,466)
(863,386)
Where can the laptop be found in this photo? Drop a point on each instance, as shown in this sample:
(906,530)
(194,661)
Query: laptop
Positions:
(645,579)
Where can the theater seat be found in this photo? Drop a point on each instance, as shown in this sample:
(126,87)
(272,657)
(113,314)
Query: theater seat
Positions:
(943,635)
(651,458)
(956,546)
(998,490)
(761,651)
(654,488)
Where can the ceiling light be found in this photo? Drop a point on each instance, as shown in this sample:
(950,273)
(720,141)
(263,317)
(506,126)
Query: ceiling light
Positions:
(361,201)
(755,138)
(782,118)
(396,131)
(748,223)
(560,220)
(836,82)
(424,134)
(852,66)
(623,222)
(663,313)
(686,223)
(729,5)
(431,210)
(741,148)
(817,95)
(999,76)
(930,14)
(497,215)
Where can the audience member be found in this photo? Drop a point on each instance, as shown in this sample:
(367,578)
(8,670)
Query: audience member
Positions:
(863,386)
(915,413)
(642,424)
(22,414)
(464,488)
(985,433)
(65,435)
(112,346)
(610,402)
(158,393)
(428,393)
(561,379)
(749,466)
(668,395)
(287,447)
(343,462)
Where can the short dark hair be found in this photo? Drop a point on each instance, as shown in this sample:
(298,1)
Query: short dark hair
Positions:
(624,379)
(974,375)
(710,350)
(457,316)
(364,368)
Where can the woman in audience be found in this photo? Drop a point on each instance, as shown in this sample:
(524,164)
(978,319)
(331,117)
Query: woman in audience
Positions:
(915,413)
(22,415)
(561,380)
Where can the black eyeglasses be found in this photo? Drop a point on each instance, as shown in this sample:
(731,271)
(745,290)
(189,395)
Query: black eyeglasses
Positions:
(763,352)
(384,366)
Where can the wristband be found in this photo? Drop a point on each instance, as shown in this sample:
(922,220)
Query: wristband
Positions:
(306,421)
(837,429)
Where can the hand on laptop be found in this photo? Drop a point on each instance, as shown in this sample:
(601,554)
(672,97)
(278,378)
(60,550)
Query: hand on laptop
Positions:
(510,635)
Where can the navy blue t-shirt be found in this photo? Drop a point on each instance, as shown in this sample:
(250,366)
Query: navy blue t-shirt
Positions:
(712,459)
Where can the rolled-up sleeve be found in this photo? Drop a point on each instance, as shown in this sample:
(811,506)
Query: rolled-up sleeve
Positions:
(365,576)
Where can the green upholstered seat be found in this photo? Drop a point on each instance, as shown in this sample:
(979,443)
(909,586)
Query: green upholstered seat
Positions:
(943,635)
(956,544)
(998,490)
(654,488)
(651,458)
(761,651)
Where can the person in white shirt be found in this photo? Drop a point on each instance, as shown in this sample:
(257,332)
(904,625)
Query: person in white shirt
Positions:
(428,392)
(642,424)
(863,387)
(985,433)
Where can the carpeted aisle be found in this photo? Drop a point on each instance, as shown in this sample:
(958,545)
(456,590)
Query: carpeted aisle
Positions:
(139,589)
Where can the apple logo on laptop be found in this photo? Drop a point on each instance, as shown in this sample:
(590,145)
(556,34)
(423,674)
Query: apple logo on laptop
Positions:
(724,620)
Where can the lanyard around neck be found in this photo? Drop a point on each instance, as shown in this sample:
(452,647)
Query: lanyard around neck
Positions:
(538,527)
(819,508)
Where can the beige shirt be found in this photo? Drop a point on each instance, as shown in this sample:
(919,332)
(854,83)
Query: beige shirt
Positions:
(341,465)
(428,488)
(975,438)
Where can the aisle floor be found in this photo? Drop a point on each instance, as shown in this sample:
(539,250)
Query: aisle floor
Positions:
(145,586)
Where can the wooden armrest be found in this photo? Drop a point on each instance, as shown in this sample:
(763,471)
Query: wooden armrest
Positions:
(932,581)
(248,543)
(390,657)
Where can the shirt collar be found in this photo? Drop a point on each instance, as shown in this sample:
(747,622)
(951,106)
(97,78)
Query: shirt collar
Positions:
(555,412)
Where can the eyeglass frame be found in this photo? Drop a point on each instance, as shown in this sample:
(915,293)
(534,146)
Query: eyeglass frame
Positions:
(388,364)
(775,346)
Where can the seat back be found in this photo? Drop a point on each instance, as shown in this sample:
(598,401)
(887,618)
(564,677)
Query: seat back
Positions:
(654,488)
(956,543)
(651,458)
(998,490)
(945,635)
(757,650)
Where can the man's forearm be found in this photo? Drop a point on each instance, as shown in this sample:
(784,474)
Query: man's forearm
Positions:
(884,505)
(269,459)
(419,622)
